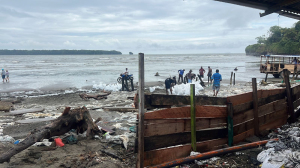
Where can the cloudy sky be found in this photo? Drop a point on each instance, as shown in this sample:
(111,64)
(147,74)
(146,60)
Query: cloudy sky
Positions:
(152,26)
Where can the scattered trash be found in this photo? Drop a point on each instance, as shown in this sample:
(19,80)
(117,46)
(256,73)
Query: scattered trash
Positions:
(59,142)
(125,140)
(16,142)
(6,138)
(194,153)
(45,142)
(132,129)
(70,139)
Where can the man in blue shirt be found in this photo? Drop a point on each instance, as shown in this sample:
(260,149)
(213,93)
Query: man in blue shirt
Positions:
(181,72)
(216,85)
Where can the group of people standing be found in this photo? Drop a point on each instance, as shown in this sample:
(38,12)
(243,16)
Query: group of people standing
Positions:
(5,75)
(212,78)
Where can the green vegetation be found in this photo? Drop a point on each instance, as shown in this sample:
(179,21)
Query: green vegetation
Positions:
(279,41)
(59,52)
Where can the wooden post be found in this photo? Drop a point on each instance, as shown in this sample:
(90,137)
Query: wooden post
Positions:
(193,118)
(230,123)
(231,78)
(132,87)
(289,96)
(255,107)
(140,157)
(234,79)
(266,77)
(122,83)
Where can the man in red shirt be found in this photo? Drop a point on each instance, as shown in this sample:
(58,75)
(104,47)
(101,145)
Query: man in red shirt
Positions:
(201,72)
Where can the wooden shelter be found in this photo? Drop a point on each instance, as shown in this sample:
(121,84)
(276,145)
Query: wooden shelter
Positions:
(288,8)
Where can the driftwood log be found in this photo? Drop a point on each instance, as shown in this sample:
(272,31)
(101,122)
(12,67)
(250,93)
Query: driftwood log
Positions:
(97,97)
(78,119)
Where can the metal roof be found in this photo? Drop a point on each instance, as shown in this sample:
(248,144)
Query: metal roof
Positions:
(288,8)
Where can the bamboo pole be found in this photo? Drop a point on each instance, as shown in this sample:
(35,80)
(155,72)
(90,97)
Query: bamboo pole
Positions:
(193,118)
(140,159)
(255,107)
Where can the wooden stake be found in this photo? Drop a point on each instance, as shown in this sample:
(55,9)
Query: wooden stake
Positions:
(266,77)
(234,79)
(231,78)
(230,124)
(123,84)
(289,96)
(255,107)
(193,118)
(140,159)
(132,87)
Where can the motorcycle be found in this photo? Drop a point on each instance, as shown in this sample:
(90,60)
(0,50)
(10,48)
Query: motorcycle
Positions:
(127,77)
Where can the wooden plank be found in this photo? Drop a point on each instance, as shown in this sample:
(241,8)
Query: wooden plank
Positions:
(184,112)
(255,106)
(271,96)
(271,125)
(155,157)
(296,90)
(159,99)
(262,110)
(237,129)
(240,99)
(23,111)
(171,126)
(242,136)
(162,141)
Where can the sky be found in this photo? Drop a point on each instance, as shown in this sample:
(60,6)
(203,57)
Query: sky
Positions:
(150,27)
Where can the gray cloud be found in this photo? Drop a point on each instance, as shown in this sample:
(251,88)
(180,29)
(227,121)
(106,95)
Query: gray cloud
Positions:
(190,26)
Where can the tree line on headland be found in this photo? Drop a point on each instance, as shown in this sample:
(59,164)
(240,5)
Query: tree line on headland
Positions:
(279,41)
(59,52)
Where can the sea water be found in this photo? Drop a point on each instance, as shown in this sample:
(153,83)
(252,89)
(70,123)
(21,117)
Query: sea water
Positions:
(42,72)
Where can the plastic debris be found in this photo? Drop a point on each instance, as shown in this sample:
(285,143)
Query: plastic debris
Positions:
(125,140)
(45,142)
(59,142)
(6,138)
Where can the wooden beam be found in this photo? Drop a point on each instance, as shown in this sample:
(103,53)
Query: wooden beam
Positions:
(140,157)
(155,157)
(255,107)
(184,112)
(162,141)
(160,99)
(289,96)
(171,126)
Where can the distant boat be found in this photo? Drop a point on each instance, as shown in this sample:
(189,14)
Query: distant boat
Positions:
(235,69)
(130,53)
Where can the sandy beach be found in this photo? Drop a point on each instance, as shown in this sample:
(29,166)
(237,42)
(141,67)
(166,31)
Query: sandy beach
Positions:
(106,151)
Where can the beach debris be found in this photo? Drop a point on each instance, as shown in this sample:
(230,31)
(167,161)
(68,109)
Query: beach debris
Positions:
(79,119)
(45,142)
(6,138)
(24,111)
(5,106)
(121,109)
(97,96)
(125,140)
(106,129)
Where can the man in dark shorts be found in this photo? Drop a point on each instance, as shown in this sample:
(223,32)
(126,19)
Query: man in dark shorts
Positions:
(181,72)
(216,85)
(3,75)
(209,74)
(170,82)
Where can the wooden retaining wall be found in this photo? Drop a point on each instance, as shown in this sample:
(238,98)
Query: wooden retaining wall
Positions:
(167,133)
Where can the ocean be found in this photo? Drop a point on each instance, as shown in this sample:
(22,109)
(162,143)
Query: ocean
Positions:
(43,72)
